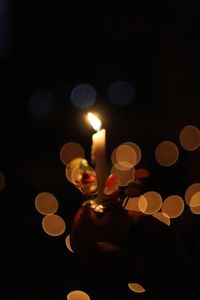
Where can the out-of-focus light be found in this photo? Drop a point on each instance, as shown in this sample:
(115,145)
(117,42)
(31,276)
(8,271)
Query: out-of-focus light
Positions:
(41,104)
(195,200)
(136,287)
(190,138)
(173,206)
(166,153)
(121,93)
(68,244)
(195,203)
(191,191)
(2,181)
(162,217)
(46,203)
(72,175)
(78,295)
(72,169)
(83,96)
(136,149)
(126,155)
(125,175)
(195,210)
(132,204)
(153,202)
(53,225)
(70,151)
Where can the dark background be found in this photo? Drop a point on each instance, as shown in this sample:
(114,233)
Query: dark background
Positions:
(55,47)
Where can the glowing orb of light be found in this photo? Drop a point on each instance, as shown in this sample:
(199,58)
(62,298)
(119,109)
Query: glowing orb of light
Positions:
(132,204)
(75,163)
(173,206)
(162,217)
(83,96)
(195,210)
(121,93)
(78,295)
(70,151)
(136,149)
(125,175)
(191,191)
(53,225)
(41,103)
(195,200)
(68,244)
(150,202)
(190,138)
(136,287)
(73,175)
(126,155)
(72,169)
(195,203)
(166,153)
(46,203)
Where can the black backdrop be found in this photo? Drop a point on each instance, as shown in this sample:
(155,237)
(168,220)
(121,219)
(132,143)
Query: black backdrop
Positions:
(54,47)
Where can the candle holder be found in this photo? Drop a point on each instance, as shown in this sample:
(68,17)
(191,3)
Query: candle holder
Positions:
(98,228)
(109,235)
(84,178)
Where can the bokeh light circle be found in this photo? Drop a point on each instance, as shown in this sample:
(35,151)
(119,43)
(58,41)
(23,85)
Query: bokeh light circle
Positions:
(132,204)
(189,138)
(126,155)
(75,163)
(137,151)
(191,191)
(121,93)
(136,287)
(83,96)
(195,210)
(41,103)
(195,200)
(113,156)
(173,206)
(68,243)
(46,203)
(195,203)
(142,203)
(152,200)
(166,153)
(125,175)
(162,217)
(2,181)
(53,225)
(70,151)
(72,175)
(121,164)
(78,295)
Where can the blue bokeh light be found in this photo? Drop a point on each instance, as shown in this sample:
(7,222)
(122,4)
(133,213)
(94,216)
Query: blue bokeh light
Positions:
(41,103)
(83,96)
(121,93)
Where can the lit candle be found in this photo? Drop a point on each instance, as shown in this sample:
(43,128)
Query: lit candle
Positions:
(98,154)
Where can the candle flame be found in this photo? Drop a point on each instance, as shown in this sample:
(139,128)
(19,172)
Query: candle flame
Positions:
(94,121)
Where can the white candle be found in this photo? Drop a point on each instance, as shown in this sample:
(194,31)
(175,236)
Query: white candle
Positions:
(98,154)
